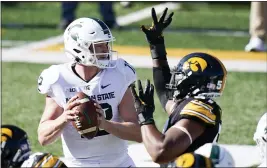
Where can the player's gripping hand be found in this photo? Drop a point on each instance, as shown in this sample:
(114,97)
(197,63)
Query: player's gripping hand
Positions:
(70,111)
(100,115)
(144,103)
(154,33)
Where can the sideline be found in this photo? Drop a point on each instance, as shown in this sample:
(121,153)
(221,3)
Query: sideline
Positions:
(49,57)
(175,52)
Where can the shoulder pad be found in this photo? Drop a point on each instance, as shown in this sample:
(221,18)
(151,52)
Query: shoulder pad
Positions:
(200,110)
(48,77)
(127,70)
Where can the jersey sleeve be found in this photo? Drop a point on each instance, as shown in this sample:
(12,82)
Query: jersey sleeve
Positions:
(199,111)
(47,78)
(127,70)
(128,73)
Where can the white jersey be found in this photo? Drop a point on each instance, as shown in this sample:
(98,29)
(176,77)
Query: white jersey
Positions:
(107,88)
(263,163)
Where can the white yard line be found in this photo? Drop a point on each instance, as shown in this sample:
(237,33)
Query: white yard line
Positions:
(38,44)
(59,57)
(122,20)
(233,65)
(13,42)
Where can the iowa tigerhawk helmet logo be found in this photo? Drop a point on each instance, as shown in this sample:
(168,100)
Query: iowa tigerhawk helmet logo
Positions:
(195,64)
(6,133)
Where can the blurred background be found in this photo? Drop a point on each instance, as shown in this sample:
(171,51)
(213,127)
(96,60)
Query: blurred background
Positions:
(222,28)
(191,22)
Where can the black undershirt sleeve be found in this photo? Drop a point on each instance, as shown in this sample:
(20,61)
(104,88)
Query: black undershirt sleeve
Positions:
(162,76)
(158,51)
(161,73)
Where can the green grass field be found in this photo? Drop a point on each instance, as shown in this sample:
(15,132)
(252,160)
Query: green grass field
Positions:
(192,15)
(243,101)
(209,15)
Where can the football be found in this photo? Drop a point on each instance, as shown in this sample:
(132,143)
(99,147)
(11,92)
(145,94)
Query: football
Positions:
(86,122)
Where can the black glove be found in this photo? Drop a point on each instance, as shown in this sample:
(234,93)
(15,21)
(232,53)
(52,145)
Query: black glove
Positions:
(154,33)
(144,103)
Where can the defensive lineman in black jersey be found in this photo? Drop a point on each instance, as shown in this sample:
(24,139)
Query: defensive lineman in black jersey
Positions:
(186,93)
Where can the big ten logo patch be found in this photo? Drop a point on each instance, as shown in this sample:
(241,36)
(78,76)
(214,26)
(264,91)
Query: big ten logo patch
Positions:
(71,89)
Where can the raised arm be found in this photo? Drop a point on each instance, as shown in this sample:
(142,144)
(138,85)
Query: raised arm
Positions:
(161,70)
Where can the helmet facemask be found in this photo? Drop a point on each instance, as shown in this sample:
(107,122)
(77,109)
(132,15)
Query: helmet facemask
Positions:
(13,151)
(102,59)
(178,79)
(184,84)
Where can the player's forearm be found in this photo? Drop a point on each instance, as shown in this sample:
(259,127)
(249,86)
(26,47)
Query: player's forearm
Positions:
(159,55)
(159,63)
(161,71)
(153,140)
(126,130)
(163,148)
(50,130)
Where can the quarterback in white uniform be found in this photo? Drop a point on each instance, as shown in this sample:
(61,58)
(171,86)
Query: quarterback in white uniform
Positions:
(88,42)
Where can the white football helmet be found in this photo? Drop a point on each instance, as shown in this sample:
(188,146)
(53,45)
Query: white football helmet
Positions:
(218,154)
(260,136)
(83,33)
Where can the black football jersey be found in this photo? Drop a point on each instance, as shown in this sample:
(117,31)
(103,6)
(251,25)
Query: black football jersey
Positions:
(204,111)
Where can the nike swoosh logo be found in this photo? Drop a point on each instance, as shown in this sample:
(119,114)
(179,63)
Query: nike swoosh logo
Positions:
(104,86)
